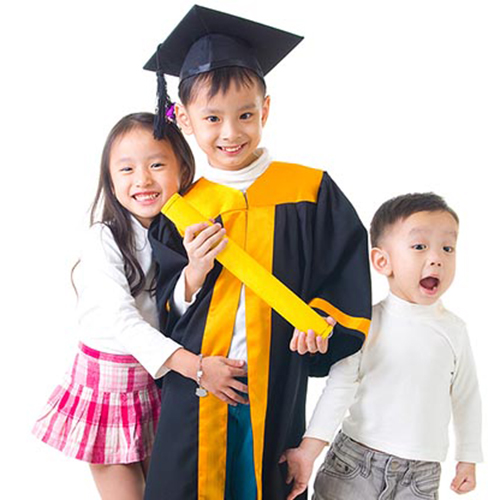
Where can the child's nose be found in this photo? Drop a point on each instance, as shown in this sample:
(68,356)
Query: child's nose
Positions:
(435,259)
(142,178)
(230,130)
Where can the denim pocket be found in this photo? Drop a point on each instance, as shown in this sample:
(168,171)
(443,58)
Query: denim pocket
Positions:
(426,485)
(340,465)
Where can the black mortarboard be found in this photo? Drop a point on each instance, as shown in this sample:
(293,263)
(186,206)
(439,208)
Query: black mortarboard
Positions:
(207,39)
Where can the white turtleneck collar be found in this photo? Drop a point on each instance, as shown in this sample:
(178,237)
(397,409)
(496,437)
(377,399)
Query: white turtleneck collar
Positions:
(400,307)
(240,179)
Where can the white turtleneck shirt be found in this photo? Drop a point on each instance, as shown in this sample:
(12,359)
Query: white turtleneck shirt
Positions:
(414,372)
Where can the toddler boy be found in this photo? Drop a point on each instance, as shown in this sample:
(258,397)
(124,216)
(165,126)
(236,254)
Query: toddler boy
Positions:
(414,371)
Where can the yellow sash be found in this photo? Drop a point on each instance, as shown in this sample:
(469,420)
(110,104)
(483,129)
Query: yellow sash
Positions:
(251,273)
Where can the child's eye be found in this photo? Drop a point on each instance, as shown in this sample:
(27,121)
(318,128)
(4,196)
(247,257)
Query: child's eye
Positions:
(212,119)
(126,169)
(157,165)
(449,249)
(246,116)
(419,246)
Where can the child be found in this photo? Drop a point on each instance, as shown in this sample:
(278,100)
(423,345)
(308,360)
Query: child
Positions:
(414,371)
(294,221)
(107,409)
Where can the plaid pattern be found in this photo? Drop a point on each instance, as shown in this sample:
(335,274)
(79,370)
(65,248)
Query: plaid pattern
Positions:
(105,412)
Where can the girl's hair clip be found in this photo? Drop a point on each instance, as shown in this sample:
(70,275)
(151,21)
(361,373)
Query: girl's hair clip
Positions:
(170,113)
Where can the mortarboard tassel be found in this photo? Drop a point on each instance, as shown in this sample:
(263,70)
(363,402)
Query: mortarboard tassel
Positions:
(163,102)
(161,106)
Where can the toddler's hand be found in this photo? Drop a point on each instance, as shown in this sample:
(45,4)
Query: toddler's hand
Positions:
(219,378)
(203,242)
(299,470)
(300,463)
(310,343)
(465,478)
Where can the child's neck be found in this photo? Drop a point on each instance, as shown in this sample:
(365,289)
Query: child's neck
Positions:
(242,178)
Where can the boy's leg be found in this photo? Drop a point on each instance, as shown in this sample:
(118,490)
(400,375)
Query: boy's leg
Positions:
(240,475)
(420,482)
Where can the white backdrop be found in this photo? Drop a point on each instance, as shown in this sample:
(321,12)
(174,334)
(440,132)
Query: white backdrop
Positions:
(388,96)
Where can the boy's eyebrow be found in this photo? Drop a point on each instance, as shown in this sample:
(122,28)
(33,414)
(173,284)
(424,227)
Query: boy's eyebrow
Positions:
(419,230)
(241,108)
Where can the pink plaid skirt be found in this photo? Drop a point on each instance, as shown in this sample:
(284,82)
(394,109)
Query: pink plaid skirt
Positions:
(105,412)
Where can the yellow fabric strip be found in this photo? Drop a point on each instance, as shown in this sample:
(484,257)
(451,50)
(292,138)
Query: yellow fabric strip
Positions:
(252,274)
(270,190)
(352,322)
(212,429)
(260,241)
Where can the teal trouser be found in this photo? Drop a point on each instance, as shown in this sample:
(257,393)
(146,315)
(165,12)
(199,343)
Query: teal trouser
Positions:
(240,473)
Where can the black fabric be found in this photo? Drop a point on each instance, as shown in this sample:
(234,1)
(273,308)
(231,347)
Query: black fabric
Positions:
(320,250)
(207,39)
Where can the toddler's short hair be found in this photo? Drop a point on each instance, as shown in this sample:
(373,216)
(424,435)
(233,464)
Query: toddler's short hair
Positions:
(401,207)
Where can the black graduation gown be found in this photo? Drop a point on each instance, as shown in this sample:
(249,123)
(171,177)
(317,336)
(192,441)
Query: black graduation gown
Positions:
(297,223)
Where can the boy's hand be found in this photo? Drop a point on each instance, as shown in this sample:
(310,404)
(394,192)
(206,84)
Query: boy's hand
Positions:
(203,242)
(304,343)
(219,378)
(465,478)
(300,463)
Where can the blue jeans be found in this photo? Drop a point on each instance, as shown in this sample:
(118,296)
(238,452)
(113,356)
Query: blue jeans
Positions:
(240,472)
(352,471)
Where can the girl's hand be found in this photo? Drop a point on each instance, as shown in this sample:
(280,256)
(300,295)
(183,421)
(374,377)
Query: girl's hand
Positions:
(203,242)
(465,478)
(219,378)
(310,343)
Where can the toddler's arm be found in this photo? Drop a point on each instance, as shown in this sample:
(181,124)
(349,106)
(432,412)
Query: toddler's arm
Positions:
(465,478)
(336,398)
(300,463)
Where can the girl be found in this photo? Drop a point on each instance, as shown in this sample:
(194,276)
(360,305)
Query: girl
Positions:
(106,411)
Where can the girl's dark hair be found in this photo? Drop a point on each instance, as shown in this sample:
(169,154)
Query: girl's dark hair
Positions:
(401,207)
(114,215)
(219,80)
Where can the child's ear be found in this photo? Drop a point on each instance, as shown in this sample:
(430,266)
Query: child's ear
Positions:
(265,109)
(381,261)
(183,119)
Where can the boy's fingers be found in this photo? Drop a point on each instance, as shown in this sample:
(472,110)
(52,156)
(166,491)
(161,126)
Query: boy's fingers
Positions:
(294,341)
(282,459)
(211,241)
(207,233)
(298,488)
(322,344)
(191,231)
(212,254)
(301,343)
(330,321)
(311,341)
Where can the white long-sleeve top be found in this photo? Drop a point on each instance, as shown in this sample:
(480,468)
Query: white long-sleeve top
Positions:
(109,318)
(241,180)
(414,371)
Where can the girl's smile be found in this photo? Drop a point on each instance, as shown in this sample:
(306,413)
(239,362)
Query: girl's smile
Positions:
(144,173)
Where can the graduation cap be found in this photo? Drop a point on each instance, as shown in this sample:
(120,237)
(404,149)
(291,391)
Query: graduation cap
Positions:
(206,40)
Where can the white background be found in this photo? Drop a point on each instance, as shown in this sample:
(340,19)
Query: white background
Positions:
(388,96)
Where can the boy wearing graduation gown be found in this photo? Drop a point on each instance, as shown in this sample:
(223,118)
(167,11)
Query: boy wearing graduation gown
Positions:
(291,219)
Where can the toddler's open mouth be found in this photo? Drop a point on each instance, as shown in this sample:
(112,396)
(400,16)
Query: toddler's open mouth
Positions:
(430,284)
